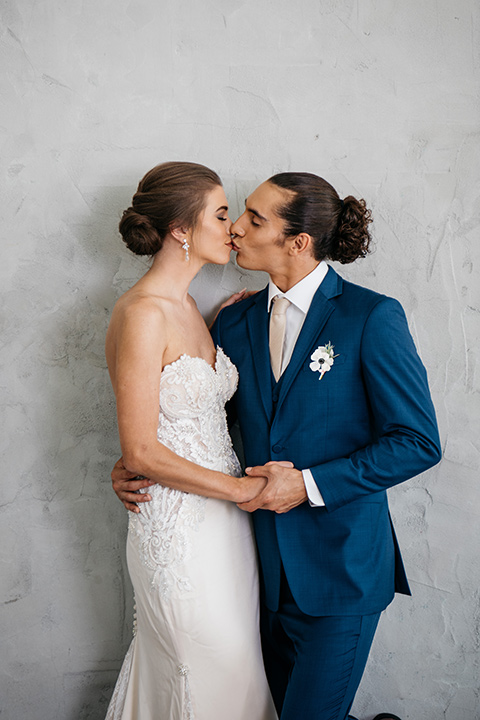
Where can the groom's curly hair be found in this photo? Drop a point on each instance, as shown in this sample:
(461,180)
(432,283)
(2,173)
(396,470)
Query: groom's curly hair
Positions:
(339,228)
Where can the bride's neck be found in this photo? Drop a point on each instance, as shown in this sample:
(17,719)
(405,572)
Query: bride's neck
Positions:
(171,273)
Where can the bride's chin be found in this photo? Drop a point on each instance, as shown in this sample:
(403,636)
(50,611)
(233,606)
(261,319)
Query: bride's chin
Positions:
(219,261)
(226,258)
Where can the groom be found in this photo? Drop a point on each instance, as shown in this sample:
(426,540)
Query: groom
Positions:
(329,380)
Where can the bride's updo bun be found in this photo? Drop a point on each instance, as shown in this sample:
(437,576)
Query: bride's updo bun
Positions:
(170,195)
(339,228)
(139,234)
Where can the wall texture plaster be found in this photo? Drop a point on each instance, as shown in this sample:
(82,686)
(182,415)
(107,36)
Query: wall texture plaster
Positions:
(380,98)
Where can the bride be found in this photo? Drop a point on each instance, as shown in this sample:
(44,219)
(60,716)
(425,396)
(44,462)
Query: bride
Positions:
(196,650)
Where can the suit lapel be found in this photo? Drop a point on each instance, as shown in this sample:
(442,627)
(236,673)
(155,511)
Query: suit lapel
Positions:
(320,310)
(257,323)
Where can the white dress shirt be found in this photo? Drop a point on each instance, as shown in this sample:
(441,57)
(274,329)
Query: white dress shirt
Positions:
(300,297)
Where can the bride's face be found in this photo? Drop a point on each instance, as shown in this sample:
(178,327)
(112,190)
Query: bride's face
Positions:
(211,241)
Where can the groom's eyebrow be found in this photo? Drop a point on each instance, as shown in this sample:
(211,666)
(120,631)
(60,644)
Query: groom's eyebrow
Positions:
(255,212)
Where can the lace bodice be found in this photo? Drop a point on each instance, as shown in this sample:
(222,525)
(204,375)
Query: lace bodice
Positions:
(192,419)
(192,423)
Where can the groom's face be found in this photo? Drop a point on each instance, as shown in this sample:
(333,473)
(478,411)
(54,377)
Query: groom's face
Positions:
(259,232)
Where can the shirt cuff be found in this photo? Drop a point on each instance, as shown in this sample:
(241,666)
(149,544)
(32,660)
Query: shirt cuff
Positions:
(314,495)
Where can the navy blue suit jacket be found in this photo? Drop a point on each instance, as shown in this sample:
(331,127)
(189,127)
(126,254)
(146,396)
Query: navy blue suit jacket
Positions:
(367,425)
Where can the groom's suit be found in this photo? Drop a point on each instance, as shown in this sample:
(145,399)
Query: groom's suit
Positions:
(367,425)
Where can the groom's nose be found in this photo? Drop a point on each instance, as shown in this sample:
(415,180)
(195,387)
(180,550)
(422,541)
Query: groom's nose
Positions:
(236,228)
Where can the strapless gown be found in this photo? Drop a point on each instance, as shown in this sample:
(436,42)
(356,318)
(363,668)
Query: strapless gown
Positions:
(196,653)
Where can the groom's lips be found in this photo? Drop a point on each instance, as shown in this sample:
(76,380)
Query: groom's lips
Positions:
(235,247)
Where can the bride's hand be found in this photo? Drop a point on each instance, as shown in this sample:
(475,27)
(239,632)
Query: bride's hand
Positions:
(249,488)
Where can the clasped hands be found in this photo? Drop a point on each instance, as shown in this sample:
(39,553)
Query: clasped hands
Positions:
(284,487)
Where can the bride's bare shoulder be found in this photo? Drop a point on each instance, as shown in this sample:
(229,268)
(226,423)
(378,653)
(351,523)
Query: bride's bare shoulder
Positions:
(139,304)
(137,312)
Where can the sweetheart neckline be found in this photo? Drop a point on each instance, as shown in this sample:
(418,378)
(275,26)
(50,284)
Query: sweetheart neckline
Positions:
(213,367)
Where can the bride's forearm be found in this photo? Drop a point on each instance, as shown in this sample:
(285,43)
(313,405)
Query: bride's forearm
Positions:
(164,467)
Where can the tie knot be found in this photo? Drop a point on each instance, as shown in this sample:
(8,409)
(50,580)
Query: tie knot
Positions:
(280,305)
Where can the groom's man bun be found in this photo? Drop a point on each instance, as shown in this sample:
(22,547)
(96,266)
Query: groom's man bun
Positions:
(339,228)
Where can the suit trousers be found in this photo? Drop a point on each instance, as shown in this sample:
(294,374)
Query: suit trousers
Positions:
(314,664)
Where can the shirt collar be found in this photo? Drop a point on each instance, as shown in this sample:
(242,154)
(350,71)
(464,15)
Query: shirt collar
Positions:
(301,294)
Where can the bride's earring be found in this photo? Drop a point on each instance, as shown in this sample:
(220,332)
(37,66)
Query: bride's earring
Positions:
(186,246)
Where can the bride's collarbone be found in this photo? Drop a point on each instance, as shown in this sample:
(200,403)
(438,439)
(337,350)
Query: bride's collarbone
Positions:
(187,334)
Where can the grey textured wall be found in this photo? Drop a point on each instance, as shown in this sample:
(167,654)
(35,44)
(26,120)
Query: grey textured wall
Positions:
(378,96)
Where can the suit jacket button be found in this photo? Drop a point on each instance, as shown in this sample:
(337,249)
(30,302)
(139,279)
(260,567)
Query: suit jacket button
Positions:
(277,448)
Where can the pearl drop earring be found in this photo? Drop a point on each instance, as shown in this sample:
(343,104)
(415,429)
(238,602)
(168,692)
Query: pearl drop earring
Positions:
(186,246)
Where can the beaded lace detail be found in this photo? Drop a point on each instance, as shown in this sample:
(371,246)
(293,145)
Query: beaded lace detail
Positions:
(192,423)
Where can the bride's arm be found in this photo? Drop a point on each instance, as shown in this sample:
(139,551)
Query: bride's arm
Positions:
(139,349)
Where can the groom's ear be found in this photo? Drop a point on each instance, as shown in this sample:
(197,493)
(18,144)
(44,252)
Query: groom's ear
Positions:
(301,243)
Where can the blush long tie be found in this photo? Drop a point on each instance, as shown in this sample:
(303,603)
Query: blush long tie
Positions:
(278,319)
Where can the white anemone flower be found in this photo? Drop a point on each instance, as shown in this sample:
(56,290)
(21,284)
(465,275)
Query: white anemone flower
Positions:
(322,358)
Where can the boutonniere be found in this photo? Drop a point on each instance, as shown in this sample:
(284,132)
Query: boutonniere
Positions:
(323,358)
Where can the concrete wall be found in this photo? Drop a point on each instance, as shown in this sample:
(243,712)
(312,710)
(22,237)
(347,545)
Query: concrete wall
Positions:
(379,97)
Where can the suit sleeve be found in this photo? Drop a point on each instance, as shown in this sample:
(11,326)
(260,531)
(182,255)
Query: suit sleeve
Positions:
(406,440)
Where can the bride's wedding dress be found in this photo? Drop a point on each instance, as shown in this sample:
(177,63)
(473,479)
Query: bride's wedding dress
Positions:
(196,650)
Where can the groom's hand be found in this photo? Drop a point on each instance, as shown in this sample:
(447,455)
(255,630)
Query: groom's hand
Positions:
(285,488)
(126,484)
